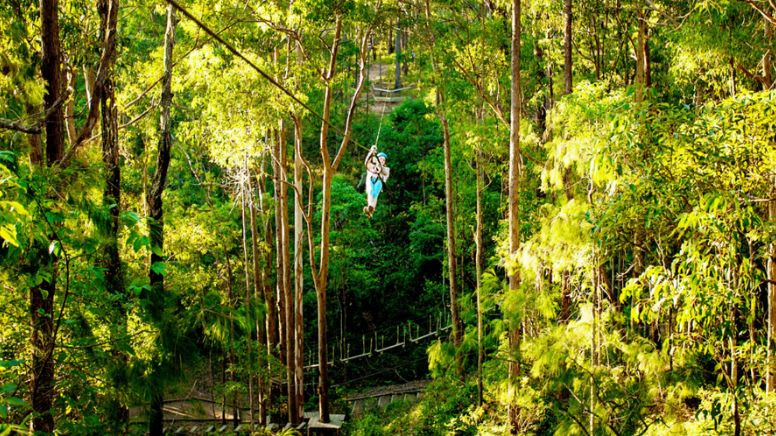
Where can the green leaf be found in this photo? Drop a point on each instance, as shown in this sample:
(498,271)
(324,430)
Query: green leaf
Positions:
(10,363)
(130,218)
(140,243)
(157,250)
(55,248)
(15,402)
(159,268)
(8,233)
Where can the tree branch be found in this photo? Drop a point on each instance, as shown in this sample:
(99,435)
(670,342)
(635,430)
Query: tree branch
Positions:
(762,11)
(34,128)
(103,69)
(356,94)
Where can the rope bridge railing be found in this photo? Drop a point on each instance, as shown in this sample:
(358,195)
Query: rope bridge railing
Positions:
(407,333)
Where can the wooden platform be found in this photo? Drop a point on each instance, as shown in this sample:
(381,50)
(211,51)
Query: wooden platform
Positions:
(315,426)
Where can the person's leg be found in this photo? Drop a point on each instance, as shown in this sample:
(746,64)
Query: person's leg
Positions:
(369,199)
(374,194)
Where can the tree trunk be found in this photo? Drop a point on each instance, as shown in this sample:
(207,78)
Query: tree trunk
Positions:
(567,47)
(114,277)
(248,299)
(320,277)
(42,376)
(298,393)
(42,296)
(230,355)
(288,295)
(264,394)
(397,52)
(770,366)
(768,57)
(323,266)
(451,253)
(565,297)
(70,106)
(51,71)
(390,37)
(323,382)
(280,282)
(36,147)
(515,171)
(449,212)
(478,270)
(155,212)
(405,59)
(642,62)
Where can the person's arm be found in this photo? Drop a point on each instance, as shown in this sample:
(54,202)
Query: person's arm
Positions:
(372,152)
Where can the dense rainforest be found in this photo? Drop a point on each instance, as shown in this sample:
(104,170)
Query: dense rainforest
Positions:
(577,234)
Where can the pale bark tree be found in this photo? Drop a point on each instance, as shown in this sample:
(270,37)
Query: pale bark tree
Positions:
(515,173)
(264,393)
(297,412)
(449,210)
(321,269)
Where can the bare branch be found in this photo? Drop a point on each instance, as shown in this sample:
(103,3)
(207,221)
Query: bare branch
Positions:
(103,69)
(35,127)
(762,11)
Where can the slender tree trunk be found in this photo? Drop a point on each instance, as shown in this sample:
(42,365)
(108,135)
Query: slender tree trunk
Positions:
(323,267)
(449,212)
(288,294)
(770,366)
(114,277)
(51,71)
(70,106)
(768,57)
(36,147)
(42,377)
(248,299)
(88,84)
(405,59)
(567,47)
(155,213)
(320,277)
(323,359)
(451,252)
(42,296)
(390,37)
(264,393)
(280,266)
(288,306)
(299,224)
(230,356)
(478,272)
(397,52)
(515,171)
(642,63)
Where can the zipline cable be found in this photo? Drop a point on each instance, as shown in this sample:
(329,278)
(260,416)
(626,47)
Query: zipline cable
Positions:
(261,72)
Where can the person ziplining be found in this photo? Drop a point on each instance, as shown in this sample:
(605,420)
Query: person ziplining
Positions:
(376,177)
